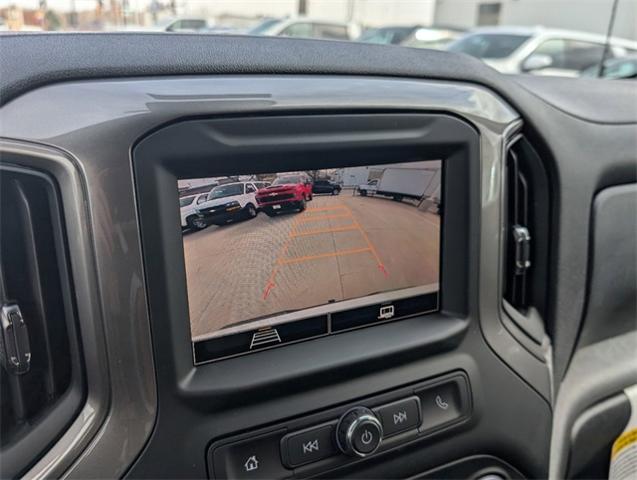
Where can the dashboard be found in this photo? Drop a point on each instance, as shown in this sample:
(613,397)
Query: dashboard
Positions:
(417,319)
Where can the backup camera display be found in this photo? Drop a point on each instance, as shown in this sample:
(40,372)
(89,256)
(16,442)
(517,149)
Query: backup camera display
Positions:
(278,258)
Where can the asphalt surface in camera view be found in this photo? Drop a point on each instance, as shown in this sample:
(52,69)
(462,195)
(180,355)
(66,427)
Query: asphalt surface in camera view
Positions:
(341,247)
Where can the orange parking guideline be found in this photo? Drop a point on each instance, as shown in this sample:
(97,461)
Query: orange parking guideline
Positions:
(270,283)
(324,209)
(324,230)
(307,258)
(305,218)
(322,217)
(381,267)
(284,249)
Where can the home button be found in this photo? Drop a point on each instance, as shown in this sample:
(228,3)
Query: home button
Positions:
(257,457)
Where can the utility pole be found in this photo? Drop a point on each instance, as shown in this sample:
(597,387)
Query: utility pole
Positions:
(43,8)
(350,10)
(302,10)
(154,8)
(73,15)
(125,11)
(99,10)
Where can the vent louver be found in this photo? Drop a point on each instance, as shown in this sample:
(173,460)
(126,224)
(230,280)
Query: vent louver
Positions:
(42,385)
(527,223)
(518,235)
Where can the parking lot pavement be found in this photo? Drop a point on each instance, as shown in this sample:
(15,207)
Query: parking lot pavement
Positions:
(341,247)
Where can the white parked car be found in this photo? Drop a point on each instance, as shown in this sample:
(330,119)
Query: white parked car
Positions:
(305,27)
(437,38)
(228,202)
(538,50)
(184,25)
(187,205)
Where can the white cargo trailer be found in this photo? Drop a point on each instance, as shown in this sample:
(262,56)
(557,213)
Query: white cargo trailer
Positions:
(413,181)
(351,176)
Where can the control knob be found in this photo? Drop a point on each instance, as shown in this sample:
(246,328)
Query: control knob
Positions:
(359,432)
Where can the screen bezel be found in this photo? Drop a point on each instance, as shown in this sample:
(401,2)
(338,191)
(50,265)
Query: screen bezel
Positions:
(365,138)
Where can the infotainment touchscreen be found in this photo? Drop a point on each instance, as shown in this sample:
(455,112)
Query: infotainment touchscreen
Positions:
(282,257)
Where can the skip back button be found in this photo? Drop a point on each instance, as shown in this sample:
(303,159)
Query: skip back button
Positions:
(309,445)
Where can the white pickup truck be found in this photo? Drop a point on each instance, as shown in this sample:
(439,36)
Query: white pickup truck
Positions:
(229,202)
(187,209)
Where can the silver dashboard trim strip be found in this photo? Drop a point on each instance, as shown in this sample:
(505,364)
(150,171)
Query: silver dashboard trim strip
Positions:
(65,172)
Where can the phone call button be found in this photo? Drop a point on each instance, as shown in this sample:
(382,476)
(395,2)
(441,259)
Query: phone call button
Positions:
(440,404)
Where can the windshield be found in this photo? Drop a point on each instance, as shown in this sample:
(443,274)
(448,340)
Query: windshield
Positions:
(185,201)
(226,191)
(286,180)
(489,45)
(516,37)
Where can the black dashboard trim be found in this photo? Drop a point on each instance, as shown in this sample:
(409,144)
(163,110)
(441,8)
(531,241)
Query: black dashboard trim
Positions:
(384,356)
(203,151)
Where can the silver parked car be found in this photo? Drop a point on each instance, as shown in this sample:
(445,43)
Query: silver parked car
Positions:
(539,50)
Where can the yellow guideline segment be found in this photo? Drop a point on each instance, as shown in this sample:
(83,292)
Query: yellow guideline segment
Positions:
(623,457)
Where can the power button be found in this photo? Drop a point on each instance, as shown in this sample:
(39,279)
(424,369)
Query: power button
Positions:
(367,438)
(359,432)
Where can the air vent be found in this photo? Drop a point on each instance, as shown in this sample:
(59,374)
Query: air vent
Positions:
(42,382)
(517,231)
(526,228)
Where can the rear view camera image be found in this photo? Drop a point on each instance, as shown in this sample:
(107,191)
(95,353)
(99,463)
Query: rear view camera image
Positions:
(277,257)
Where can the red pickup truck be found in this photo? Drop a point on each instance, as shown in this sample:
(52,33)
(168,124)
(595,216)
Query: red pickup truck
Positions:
(288,192)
